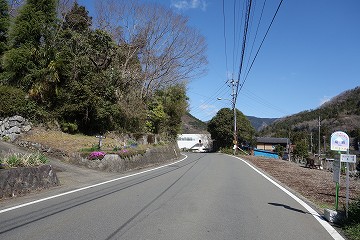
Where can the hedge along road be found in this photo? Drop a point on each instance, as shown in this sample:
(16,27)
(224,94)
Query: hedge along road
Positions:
(206,196)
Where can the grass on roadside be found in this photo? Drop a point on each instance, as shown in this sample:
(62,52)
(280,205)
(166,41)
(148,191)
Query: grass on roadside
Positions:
(353,231)
(12,160)
(352,223)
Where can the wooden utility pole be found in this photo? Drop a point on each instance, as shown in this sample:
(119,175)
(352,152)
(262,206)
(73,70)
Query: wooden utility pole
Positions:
(234,109)
(319,143)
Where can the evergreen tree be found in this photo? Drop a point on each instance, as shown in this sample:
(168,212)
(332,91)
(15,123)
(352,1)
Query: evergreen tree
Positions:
(77,19)
(221,128)
(29,63)
(4,25)
(165,111)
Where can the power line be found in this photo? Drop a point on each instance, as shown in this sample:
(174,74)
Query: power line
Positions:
(252,63)
(226,57)
(263,102)
(243,44)
(256,33)
(212,98)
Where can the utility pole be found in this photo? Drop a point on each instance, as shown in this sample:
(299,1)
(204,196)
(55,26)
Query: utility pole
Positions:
(233,103)
(319,142)
(234,109)
(311,143)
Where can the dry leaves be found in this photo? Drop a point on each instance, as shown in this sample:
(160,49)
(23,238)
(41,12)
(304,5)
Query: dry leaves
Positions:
(314,184)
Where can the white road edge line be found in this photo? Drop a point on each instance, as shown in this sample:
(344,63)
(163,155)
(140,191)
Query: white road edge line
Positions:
(91,186)
(320,219)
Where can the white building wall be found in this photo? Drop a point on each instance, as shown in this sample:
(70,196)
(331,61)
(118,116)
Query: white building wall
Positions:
(191,141)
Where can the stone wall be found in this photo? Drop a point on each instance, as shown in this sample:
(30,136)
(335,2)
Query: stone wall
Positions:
(19,181)
(12,127)
(113,163)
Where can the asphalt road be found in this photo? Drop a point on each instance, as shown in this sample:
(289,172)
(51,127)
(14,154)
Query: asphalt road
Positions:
(206,196)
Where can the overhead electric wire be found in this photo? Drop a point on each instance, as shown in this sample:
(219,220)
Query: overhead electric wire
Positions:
(256,33)
(212,98)
(263,102)
(247,18)
(243,45)
(277,10)
(226,57)
(234,35)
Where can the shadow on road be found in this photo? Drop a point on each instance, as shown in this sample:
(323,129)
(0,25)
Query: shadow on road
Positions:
(288,207)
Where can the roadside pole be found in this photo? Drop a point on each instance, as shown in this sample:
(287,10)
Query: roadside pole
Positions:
(347,158)
(340,142)
(100,137)
(336,179)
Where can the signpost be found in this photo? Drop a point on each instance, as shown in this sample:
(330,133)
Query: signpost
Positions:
(100,140)
(340,142)
(336,179)
(347,158)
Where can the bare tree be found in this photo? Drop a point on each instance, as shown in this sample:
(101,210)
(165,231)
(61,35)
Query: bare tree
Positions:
(14,6)
(168,49)
(63,6)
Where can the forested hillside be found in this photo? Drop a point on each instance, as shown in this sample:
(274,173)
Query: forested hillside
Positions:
(260,123)
(342,113)
(192,125)
(124,71)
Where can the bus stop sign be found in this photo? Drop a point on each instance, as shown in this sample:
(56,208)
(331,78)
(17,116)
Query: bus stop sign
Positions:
(339,141)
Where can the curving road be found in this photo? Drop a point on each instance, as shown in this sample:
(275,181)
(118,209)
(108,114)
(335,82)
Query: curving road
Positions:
(205,196)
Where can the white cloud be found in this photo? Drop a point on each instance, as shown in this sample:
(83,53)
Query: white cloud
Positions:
(324,99)
(189,4)
(208,109)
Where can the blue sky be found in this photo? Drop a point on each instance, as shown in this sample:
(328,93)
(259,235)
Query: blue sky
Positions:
(311,54)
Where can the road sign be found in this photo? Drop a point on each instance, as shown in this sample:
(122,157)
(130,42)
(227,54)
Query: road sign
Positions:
(339,141)
(348,158)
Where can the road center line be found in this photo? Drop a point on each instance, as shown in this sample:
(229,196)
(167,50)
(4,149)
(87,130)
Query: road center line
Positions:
(319,218)
(88,187)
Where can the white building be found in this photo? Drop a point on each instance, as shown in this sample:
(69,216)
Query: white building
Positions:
(195,142)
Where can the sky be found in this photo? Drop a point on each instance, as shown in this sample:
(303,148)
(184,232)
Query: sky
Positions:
(310,54)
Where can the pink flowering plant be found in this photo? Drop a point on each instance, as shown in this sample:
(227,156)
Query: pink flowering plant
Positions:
(129,152)
(96,155)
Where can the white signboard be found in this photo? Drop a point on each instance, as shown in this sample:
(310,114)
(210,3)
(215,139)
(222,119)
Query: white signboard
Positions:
(339,141)
(348,158)
(336,171)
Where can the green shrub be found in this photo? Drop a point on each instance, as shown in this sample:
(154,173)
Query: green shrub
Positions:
(352,232)
(226,150)
(6,138)
(352,223)
(69,128)
(354,212)
(12,101)
(94,148)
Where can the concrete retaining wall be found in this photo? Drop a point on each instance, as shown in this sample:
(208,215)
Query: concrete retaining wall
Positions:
(19,181)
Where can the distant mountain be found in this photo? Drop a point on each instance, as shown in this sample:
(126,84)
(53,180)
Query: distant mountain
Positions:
(260,123)
(192,125)
(341,113)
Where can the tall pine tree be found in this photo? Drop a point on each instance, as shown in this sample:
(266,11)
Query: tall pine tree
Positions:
(4,25)
(29,63)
